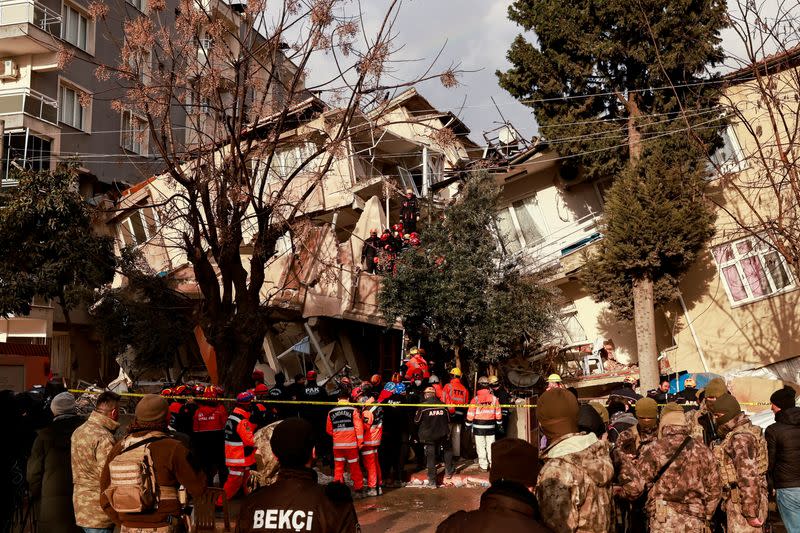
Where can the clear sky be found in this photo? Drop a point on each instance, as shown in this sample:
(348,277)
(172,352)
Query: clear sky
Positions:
(475,35)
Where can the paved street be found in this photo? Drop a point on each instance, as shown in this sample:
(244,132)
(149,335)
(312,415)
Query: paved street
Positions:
(416,510)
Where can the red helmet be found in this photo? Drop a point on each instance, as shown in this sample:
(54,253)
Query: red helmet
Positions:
(198,390)
(356,393)
(396,377)
(166,391)
(414,235)
(261,390)
(180,390)
(385,236)
(258,375)
(211,392)
(311,374)
(398,228)
(244,397)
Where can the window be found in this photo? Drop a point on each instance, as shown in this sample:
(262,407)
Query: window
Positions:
(729,158)
(751,270)
(70,109)
(140,226)
(518,227)
(138,62)
(573,330)
(205,44)
(74,27)
(133,133)
(287,160)
(23,149)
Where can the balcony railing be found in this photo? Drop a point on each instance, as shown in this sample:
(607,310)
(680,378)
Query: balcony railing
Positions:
(564,241)
(29,102)
(31,12)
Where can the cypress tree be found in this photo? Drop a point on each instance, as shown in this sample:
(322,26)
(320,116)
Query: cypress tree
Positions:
(623,89)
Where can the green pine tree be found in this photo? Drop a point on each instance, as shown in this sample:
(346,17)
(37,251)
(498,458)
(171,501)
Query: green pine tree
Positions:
(457,289)
(622,89)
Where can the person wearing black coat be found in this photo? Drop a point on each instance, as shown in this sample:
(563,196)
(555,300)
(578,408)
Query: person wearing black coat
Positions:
(50,468)
(433,421)
(783,449)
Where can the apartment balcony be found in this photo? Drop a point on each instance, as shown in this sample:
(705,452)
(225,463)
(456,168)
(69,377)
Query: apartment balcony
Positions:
(558,250)
(26,108)
(28,27)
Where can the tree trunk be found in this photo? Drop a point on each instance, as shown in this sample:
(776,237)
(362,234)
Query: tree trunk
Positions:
(644,318)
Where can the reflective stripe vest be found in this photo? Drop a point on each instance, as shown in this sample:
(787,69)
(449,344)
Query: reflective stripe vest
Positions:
(373,425)
(484,413)
(417,363)
(210,418)
(455,393)
(346,426)
(239,442)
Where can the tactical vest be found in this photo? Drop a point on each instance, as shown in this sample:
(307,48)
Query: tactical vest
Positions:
(726,468)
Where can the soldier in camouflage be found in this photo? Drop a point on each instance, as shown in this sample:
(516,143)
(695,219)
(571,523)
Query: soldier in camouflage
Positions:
(701,423)
(574,485)
(743,463)
(683,476)
(266,463)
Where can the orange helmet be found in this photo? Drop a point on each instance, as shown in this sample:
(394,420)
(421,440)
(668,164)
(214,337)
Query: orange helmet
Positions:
(180,390)
(375,380)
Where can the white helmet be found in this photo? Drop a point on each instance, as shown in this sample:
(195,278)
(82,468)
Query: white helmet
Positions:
(433,379)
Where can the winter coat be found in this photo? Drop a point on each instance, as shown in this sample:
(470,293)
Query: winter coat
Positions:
(50,475)
(91,444)
(297,502)
(173,466)
(503,508)
(783,446)
(589,420)
(691,485)
(619,423)
(434,421)
(266,462)
(574,484)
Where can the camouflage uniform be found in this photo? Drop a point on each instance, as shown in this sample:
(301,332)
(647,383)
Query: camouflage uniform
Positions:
(90,445)
(267,464)
(629,514)
(743,463)
(574,485)
(633,440)
(686,495)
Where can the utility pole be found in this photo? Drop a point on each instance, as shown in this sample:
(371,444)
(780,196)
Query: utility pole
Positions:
(4,168)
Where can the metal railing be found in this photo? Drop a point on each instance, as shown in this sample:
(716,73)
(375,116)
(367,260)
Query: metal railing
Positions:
(29,102)
(32,12)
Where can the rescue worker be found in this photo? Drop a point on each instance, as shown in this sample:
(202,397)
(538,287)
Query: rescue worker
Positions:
(239,445)
(295,502)
(483,418)
(682,476)
(455,393)
(181,417)
(345,425)
(258,378)
(372,414)
(416,363)
(396,427)
(508,505)
(315,414)
(208,435)
(504,398)
(171,463)
(554,382)
(409,212)
(574,485)
(370,251)
(279,393)
(434,382)
(661,394)
(261,414)
(743,464)
(689,392)
(433,421)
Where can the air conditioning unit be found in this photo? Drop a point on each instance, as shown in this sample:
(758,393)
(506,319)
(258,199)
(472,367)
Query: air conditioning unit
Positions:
(8,69)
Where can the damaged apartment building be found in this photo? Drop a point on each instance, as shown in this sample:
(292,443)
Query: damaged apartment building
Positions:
(324,304)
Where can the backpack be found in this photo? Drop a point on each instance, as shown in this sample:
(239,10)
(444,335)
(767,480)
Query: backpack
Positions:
(133,487)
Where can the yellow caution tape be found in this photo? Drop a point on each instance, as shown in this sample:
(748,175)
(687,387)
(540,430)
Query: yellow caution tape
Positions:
(334,403)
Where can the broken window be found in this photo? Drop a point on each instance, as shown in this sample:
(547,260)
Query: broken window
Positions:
(751,270)
(518,226)
(729,158)
(140,225)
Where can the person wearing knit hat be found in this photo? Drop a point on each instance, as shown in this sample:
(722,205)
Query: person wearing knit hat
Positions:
(783,446)
(743,464)
(714,389)
(508,504)
(171,462)
(49,469)
(601,410)
(573,463)
(632,439)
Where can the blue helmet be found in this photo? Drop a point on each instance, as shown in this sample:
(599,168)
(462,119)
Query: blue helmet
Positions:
(389,387)
(400,388)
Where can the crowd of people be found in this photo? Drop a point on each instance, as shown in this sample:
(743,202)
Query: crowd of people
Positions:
(379,253)
(630,464)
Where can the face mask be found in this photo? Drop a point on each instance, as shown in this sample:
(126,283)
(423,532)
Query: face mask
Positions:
(417,382)
(648,423)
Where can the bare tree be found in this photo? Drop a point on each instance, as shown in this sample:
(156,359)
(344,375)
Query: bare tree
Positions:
(761,177)
(216,86)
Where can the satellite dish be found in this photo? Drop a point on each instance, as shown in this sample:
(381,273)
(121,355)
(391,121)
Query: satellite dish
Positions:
(507,135)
